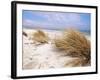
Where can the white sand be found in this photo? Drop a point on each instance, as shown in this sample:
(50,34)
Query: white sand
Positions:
(42,56)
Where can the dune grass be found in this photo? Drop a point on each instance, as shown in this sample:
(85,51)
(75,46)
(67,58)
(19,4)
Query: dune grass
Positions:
(40,36)
(25,34)
(75,44)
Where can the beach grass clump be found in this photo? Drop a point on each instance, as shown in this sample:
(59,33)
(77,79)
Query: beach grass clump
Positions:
(74,62)
(75,44)
(25,34)
(40,36)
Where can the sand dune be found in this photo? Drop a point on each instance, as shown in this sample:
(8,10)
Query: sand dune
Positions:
(44,56)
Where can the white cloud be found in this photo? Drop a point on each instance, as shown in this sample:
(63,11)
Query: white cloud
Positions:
(64,18)
(27,22)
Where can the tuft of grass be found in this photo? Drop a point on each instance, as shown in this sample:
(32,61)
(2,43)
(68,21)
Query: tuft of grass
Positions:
(40,36)
(75,44)
(74,63)
(24,33)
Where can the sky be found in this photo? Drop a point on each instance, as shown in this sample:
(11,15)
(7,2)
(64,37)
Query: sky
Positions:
(55,20)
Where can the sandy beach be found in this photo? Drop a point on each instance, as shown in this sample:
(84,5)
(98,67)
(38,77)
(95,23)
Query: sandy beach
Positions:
(43,56)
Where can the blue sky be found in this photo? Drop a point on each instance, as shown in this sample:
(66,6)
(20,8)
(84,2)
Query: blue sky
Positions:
(56,20)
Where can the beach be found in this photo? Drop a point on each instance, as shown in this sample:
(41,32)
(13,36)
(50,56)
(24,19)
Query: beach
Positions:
(44,56)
